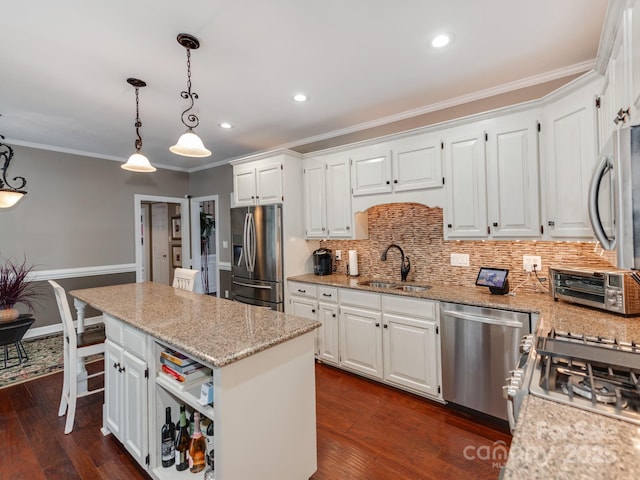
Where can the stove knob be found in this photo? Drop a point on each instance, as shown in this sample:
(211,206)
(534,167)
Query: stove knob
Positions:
(517,373)
(612,301)
(526,344)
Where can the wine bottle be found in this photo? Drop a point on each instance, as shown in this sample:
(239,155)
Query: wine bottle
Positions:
(182,442)
(168,436)
(197,447)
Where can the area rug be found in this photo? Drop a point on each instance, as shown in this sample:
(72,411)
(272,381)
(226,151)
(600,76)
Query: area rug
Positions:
(45,357)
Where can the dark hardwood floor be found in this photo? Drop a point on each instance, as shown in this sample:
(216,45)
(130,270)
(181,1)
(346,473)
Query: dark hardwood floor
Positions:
(365,431)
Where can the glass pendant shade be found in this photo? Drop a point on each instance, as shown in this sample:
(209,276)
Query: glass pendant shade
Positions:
(190,145)
(138,163)
(8,197)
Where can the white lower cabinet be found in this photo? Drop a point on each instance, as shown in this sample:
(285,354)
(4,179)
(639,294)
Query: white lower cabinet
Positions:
(126,388)
(391,338)
(361,340)
(328,344)
(411,344)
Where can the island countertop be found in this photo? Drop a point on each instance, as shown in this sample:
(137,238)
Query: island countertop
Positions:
(216,331)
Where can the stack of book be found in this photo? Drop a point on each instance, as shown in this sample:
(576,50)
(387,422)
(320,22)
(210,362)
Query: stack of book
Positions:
(185,371)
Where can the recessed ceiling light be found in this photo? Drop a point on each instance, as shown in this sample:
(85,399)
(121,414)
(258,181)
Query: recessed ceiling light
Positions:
(441,40)
(226,125)
(300,97)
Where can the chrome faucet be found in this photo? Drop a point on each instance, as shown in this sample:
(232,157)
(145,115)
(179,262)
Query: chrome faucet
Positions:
(405,264)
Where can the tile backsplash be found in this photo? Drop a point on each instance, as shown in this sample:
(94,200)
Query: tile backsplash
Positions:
(417,229)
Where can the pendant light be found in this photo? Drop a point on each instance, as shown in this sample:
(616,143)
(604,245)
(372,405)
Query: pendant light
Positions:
(137,161)
(189,144)
(9,195)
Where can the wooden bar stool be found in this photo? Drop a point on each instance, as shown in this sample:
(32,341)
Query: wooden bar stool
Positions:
(76,346)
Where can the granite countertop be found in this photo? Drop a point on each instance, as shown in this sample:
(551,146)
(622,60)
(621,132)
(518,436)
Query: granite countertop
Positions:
(562,316)
(551,440)
(213,330)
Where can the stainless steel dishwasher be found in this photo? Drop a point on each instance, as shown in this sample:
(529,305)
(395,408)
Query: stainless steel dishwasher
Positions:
(479,347)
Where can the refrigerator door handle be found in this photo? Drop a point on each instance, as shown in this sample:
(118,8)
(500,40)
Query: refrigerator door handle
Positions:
(245,241)
(263,287)
(252,239)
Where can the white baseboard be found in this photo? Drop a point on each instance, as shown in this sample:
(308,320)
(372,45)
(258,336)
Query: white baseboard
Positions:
(57,328)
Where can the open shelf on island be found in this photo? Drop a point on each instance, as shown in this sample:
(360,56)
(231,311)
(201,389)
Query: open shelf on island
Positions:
(190,395)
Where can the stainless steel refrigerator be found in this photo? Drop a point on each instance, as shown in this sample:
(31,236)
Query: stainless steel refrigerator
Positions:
(257,270)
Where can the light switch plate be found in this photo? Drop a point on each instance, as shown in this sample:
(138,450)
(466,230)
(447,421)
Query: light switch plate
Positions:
(460,259)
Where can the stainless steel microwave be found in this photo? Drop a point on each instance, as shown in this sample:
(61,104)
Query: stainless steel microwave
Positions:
(613,290)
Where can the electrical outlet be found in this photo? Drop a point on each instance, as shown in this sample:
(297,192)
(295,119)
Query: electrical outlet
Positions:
(225,244)
(338,254)
(460,259)
(529,261)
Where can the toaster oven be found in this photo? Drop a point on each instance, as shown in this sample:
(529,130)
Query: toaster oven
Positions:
(610,289)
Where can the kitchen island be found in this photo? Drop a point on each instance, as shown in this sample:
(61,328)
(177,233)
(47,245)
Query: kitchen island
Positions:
(551,440)
(262,370)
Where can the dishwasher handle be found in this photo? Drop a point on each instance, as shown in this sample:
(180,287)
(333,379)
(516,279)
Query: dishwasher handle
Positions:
(476,318)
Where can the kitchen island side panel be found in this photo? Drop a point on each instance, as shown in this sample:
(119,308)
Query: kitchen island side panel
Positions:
(265,407)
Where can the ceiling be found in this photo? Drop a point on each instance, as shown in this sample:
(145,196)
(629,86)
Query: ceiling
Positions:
(361,62)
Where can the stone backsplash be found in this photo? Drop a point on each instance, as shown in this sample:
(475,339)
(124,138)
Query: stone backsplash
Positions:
(417,229)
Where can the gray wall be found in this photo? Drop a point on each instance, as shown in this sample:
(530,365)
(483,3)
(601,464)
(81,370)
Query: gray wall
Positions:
(78,211)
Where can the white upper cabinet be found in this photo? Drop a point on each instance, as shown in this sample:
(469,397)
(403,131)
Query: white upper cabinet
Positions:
(465,213)
(371,170)
(327,199)
(313,177)
(417,162)
(512,180)
(338,187)
(405,164)
(569,139)
(258,183)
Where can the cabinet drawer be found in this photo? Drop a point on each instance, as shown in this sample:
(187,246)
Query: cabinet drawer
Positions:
(135,341)
(409,306)
(327,294)
(370,301)
(302,289)
(114,329)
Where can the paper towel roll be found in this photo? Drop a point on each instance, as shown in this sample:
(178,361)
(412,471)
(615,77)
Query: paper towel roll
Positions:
(353,263)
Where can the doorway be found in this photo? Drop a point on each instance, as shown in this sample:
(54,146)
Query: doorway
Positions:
(205,248)
(161,244)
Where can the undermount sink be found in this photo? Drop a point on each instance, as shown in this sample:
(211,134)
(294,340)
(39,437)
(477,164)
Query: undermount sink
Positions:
(395,286)
(414,288)
(378,284)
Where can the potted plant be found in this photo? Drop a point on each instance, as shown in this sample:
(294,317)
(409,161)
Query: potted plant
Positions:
(15,288)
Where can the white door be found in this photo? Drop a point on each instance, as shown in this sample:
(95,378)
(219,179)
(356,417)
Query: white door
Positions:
(135,406)
(410,353)
(512,179)
(417,163)
(328,334)
(113,392)
(313,176)
(160,246)
(361,340)
(338,188)
(465,214)
(570,141)
(269,184)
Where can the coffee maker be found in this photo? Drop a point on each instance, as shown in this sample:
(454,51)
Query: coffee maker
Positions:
(322,261)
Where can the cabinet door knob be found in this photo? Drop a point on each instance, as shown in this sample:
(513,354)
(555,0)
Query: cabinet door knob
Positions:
(449,225)
(377,324)
(495,224)
(388,182)
(386,325)
(313,310)
(333,315)
(395,181)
